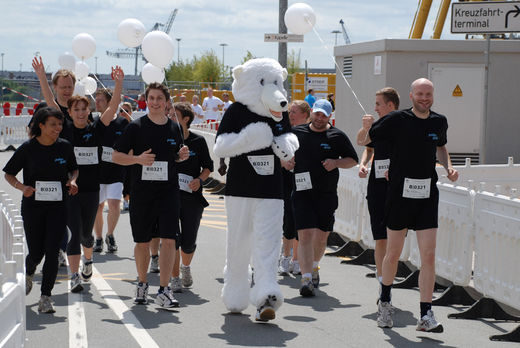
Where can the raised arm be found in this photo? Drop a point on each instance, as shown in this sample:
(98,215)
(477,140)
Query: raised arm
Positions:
(44,84)
(362,137)
(108,115)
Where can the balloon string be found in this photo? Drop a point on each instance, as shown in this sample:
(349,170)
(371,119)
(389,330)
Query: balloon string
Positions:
(336,64)
(108,91)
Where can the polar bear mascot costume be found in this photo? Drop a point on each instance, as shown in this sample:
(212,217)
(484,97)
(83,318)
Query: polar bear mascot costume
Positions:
(255,134)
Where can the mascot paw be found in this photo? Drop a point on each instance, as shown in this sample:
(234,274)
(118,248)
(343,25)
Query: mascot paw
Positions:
(236,298)
(254,137)
(285,145)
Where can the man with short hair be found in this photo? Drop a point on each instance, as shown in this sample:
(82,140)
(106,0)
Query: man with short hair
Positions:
(418,138)
(387,100)
(310,98)
(323,149)
(210,106)
(197,110)
(227,102)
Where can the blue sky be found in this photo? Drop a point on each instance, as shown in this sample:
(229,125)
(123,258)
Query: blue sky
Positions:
(48,26)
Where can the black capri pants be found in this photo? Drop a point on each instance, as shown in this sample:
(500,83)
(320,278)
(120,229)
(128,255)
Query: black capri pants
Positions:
(82,209)
(44,225)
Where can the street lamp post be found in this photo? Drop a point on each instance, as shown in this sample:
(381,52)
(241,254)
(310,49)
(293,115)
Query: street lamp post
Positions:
(3,63)
(223,65)
(178,49)
(336,32)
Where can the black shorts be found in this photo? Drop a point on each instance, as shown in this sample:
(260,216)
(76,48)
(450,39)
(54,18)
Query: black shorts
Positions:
(314,210)
(289,229)
(190,216)
(413,214)
(154,213)
(376,199)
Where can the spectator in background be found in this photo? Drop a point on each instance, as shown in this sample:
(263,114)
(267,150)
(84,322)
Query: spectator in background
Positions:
(141,103)
(210,106)
(197,110)
(330,98)
(310,99)
(227,102)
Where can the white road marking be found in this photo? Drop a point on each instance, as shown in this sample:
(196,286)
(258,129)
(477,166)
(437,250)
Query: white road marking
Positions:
(123,313)
(77,322)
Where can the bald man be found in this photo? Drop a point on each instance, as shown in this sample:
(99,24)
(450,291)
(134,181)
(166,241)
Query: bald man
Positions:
(417,137)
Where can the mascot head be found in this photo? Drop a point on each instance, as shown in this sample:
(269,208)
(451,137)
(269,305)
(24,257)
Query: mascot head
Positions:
(258,84)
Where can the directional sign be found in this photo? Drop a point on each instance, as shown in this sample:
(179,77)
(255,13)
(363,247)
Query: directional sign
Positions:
(485,17)
(283,38)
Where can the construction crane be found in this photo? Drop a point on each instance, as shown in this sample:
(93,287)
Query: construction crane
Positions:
(136,53)
(345,35)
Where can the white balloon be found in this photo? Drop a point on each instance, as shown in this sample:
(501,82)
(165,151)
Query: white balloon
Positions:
(131,32)
(300,18)
(151,73)
(90,85)
(67,61)
(79,89)
(158,48)
(83,46)
(81,70)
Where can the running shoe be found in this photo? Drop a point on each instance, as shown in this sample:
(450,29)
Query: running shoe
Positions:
(98,245)
(86,270)
(284,266)
(316,276)
(187,279)
(28,283)
(154,264)
(165,299)
(428,323)
(62,260)
(307,289)
(176,284)
(296,268)
(266,311)
(45,305)
(141,293)
(126,206)
(75,283)
(111,243)
(384,315)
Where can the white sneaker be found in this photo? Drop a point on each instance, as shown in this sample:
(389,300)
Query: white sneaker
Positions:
(176,284)
(284,265)
(45,305)
(266,311)
(428,323)
(296,268)
(187,279)
(86,270)
(384,315)
(75,283)
(62,261)
(154,264)
(141,293)
(165,299)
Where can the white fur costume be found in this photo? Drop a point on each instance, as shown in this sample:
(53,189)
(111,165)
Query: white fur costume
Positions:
(249,136)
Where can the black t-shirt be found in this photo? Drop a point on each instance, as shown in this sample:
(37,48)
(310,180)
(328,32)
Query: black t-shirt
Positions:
(109,171)
(198,160)
(380,162)
(242,178)
(43,163)
(316,147)
(164,140)
(413,145)
(86,142)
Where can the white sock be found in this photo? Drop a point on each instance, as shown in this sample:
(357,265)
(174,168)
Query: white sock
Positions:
(315,264)
(307,275)
(380,278)
(183,265)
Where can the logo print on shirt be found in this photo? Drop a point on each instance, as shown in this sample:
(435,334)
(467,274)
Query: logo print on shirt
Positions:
(192,153)
(119,133)
(433,136)
(171,141)
(325,146)
(278,127)
(60,160)
(87,136)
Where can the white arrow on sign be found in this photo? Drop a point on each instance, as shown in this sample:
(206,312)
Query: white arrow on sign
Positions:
(283,38)
(485,17)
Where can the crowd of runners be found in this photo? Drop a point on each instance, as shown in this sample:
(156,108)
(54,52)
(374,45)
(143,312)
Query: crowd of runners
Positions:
(75,164)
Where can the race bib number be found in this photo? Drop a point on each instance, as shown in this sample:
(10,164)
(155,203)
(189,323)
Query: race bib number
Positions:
(263,165)
(184,182)
(106,156)
(49,191)
(86,155)
(158,171)
(303,181)
(416,188)
(381,166)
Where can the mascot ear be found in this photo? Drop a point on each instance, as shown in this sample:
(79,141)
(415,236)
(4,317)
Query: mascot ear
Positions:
(284,74)
(237,71)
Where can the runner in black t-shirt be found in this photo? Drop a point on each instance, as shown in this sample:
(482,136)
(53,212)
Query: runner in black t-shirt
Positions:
(111,174)
(192,174)
(387,100)
(323,149)
(157,145)
(49,172)
(86,138)
(417,137)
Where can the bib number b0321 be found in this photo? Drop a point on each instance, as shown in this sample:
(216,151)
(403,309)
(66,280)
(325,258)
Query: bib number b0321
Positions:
(416,188)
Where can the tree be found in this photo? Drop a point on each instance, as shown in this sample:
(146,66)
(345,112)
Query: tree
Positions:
(181,71)
(208,68)
(293,62)
(247,57)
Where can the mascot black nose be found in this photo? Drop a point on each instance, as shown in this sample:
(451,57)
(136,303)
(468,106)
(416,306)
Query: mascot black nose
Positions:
(282,104)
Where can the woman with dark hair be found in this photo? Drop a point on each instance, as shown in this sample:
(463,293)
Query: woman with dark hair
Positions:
(192,173)
(49,171)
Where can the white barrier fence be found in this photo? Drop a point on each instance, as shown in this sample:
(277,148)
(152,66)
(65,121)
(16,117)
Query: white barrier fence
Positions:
(13,129)
(12,275)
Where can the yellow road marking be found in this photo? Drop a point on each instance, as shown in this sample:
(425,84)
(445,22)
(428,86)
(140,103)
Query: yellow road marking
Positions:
(213,226)
(214,222)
